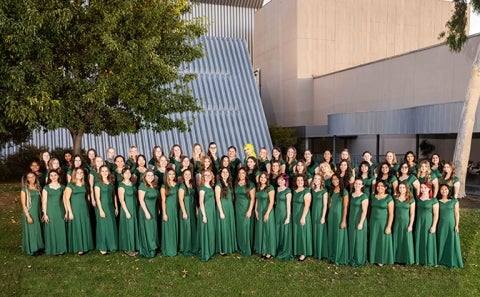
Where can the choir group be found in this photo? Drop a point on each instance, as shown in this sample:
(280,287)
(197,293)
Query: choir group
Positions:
(205,204)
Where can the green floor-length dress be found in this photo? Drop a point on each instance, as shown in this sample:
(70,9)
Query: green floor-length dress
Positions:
(148,229)
(55,230)
(170,227)
(225,235)
(188,228)
(381,244)
(79,230)
(425,242)
(265,239)
(32,239)
(128,228)
(337,237)
(402,238)
(319,230)
(449,251)
(357,239)
(244,225)
(107,231)
(301,234)
(283,231)
(206,231)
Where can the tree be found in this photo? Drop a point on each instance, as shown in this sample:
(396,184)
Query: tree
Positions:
(282,137)
(97,65)
(456,37)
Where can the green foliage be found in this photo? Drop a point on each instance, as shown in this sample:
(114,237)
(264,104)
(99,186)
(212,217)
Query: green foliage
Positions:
(233,275)
(283,137)
(17,164)
(456,35)
(93,66)
(426,147)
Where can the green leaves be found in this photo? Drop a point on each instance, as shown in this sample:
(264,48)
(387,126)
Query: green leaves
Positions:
(455,33)
(97,67)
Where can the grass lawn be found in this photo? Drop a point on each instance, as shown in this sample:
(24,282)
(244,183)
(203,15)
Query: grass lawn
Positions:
(120,275)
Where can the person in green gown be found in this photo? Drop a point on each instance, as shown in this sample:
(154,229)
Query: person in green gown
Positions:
(187,245)
(206,216)
(148,196)
(140,168)
(291,162)
(128,223)
(263,160)
(213,154)
(388,176)
(404,203)
(107,231)
(301,168)
(54,215)
(368,178)
(283,225)
(319,217)
(436,165)
(225,235)
(175,160)
(32,240)
(405,175)
(344,172)
(381,220)
(244,205)
(357,225)
(448,177)
(425,175)
(426,227)
(265,240)
(448,239)
(337,222)
(235,162)
(301,219)
(252,170)
(169,198)
(277,156)
(391,160)
(310,164)
(411,161)
(75,199)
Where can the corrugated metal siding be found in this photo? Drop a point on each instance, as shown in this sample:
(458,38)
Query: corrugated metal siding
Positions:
(241,3)
(428,119)
(227,20)
(233,112)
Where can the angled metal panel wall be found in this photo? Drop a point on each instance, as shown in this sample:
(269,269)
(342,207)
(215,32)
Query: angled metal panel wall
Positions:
(242,3)
(233,112)
(227,19)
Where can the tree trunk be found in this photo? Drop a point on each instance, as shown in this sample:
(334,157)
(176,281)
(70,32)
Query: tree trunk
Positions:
(466,123)
(77,141)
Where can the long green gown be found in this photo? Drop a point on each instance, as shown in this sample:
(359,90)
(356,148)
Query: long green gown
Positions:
(55,230)
(148,229)
(32,240)
(245,231)
(381,244)
(357,239)
(283,231)
(107,231)
(449,251)
(367,185)
(225,235)
(265,239)
(319,231)
(402,239)
(188,228)
(170,227)
(425,242)
(79,230)
(128,228)
(301,235)
(337,237)
(206,231)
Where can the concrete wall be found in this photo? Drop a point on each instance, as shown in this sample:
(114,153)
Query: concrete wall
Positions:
(297,39)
